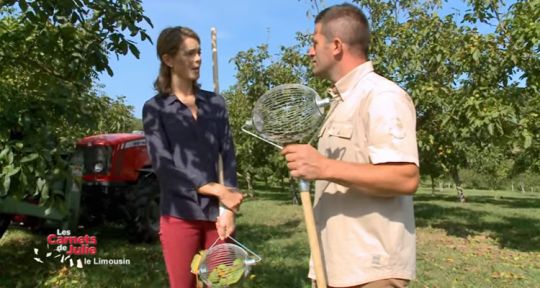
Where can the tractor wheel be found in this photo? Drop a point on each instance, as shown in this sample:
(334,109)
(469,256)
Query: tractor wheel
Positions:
(93,204)
(5,219)
(143,205)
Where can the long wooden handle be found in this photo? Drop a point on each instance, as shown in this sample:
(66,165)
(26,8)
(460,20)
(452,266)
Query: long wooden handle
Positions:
(313,238)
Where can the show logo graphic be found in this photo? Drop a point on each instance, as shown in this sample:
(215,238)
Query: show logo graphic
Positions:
(75,250)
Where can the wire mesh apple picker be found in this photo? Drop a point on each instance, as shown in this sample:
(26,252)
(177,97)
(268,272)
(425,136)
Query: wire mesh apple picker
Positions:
(285,114)
(224,265)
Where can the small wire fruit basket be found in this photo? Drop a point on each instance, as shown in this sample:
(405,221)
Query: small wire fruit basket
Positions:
(225,265)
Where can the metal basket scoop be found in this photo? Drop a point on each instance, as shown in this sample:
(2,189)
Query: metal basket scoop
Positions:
(225,265)
(287,113)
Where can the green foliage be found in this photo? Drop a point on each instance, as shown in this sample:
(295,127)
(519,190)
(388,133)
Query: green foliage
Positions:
(487,179)
(115,116)
(472,110)
(225,276)
(51,53)
(79,33)
(136,125)
(473,180)
(476,93)
(525,182)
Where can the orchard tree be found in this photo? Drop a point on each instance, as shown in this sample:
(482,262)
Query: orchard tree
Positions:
(257,72)
(463,81)
(522,32)
(51,53)
(250,84)
(476,90)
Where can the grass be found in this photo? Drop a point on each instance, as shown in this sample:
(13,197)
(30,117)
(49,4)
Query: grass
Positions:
(492,240)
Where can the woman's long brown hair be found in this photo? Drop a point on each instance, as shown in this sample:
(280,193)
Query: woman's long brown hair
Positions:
(169,42)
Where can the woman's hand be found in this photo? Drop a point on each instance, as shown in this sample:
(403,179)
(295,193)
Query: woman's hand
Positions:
(229,197)
(225,224)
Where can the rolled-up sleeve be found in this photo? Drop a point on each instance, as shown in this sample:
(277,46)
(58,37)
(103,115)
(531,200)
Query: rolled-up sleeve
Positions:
(392,129)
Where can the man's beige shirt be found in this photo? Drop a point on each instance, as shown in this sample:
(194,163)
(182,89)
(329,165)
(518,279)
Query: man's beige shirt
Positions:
(366,238)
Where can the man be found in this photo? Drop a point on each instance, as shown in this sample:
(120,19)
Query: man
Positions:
(366,165)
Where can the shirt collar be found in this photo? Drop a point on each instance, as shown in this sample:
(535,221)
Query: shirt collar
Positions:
(333,91)
(348,81)
(171,98)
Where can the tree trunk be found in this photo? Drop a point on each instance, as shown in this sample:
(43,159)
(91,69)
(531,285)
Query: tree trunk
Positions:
(249,184)
(432,185)
(293,186)
(457,181)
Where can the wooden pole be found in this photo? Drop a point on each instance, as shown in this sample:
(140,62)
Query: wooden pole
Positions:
(215,60)
(213,33)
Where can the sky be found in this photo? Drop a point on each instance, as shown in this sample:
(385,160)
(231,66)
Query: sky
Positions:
(240,25)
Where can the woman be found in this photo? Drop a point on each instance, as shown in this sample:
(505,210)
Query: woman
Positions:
(186,130)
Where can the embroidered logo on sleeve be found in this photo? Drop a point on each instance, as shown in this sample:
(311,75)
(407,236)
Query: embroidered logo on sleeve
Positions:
(396,129)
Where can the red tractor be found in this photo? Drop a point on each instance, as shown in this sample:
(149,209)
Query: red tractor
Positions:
(118,184)
(112,179)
